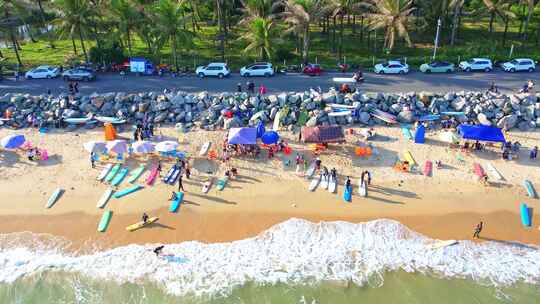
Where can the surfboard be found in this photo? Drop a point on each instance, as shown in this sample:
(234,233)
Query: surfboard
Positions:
(221,183)
(386,117)
(120,177)
(141,224)
(340,113)
(277,121)
(104,172)
(344,79)
(324,182)
(104,198)
(347,194)
(135,174)
(531,192)
(428,168)
(126,191)
(340,106)
(206,186)
(54,197)
(112,120)
(314,183)
(112,173)
(525,216)
(170,173)
(332,185)
(451,113)
(478,170)
(175,204)
(175,176)
(493,172)
(429,117)
(174,259)
(362,189)
(310,171)
(204,149)
(105,220)
(441,244)
(407,133)
(152,176)
(408,157)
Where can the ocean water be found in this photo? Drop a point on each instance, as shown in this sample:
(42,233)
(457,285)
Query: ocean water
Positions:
(293,262)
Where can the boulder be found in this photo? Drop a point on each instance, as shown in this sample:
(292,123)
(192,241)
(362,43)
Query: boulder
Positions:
(508,121)
(406,116)
(364,117)
(482,119)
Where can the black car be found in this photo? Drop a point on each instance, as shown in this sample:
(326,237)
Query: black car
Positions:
(83,74)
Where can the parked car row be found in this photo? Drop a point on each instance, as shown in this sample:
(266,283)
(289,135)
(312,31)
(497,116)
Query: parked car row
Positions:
(48,72)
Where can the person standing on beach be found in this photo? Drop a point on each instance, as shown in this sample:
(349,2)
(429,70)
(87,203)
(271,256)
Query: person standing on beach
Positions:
(188,171)
(477,230)
(144,217)
(159,168)
(180,185)
(93,159)
(368,177)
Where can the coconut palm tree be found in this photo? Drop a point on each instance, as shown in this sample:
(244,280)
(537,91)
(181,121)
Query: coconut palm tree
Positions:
(127,17)
(74,17)
(261,37)
(394,16)
(300,15)
(497,8)
(253,9)
(10,17)
(456,6)
(531,4)
(340,9)
(169,19)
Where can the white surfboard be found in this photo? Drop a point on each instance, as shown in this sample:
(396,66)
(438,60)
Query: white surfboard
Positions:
(277,120)
(311,170)
(324,182)
(493,172)
(206,186)
(441,244)
(344,79)
(104,198)
(314,183)
(340,106)
(104,172)
(332,185)
(362,189)
(341,113)
(204,148)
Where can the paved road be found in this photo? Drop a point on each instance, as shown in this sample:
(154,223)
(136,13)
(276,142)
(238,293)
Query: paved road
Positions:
(415,81)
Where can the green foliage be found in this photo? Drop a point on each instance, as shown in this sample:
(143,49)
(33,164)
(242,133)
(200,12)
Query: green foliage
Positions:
(107,53)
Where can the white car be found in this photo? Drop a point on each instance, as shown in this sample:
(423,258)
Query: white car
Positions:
(43,71)
(257,69)
(218,69)
(519,64)
(476,64)
(391,67)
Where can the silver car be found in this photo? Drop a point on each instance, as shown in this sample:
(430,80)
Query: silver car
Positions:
(79,74)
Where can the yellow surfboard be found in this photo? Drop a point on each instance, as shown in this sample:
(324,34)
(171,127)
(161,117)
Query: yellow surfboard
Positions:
(408,157)
(141,224)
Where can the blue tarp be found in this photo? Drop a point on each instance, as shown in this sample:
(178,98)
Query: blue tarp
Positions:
(420,135)
(270,137)
(481,133)
(243,136)
(260,129)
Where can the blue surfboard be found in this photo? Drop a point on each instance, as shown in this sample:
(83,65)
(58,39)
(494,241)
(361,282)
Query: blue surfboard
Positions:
(176,203)
(347,194)
(525,216)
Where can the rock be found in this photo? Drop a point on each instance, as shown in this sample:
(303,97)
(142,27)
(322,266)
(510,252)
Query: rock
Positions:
(69,113)
(98,102)
(364,117)
(406,116)
(312,122)
(231,123)
(508,121)
(163,105)
(482,119)
(160,117)
(524,125)
(459,103)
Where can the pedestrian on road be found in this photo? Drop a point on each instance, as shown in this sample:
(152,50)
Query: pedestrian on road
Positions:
(251,87)
(262,90)
(180,185)
(477,230)
(239,87)
(17,75)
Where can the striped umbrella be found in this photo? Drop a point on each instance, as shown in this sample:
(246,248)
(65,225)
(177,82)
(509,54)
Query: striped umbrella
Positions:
(12,141)
(166,146)
(118,146)
(143,146)
(95,146)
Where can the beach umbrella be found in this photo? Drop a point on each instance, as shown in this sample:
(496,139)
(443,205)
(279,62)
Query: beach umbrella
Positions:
(449,137)
(118,146)
(166,146)
(12,141)
(270,137)
(95,146)
(143,146)
(260,129)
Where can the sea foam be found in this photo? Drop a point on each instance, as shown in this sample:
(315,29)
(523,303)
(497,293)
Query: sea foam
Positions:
(295,251)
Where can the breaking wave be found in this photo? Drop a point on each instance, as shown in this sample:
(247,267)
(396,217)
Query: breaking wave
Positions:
(295,251)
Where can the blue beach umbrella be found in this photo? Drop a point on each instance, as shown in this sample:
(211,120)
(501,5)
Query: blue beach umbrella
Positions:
(260,129)
(270,137)
(12,141)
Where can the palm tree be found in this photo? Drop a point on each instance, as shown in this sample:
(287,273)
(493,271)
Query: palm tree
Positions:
(497,8)
(261,37)
(73,20)
(530,9)
(253,9)
(341,8)
(10,17)
(392,15)
(456,6)
(127,17)
(169,19)
(299,15)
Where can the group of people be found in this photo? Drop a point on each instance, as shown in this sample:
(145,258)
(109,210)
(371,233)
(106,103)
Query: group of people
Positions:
(33,154)
(73,87)
(250,88)
(510,150)
(143,131)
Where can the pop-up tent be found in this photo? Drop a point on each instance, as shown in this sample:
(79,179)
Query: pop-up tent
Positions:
(420,135)
(110,132)
(481,133)
(323,134)
(242,136)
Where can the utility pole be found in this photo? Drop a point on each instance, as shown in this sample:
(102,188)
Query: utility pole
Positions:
(437,38)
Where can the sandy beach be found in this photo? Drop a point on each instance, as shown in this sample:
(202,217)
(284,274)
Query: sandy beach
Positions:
(446,205)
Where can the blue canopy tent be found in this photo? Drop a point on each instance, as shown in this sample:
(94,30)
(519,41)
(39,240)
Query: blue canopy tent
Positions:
(481,133)
(270,137)
(242,136)
(420,135)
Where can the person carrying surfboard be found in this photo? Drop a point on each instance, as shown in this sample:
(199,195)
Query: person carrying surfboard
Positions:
(348,183)
(173,196)
(477,230)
